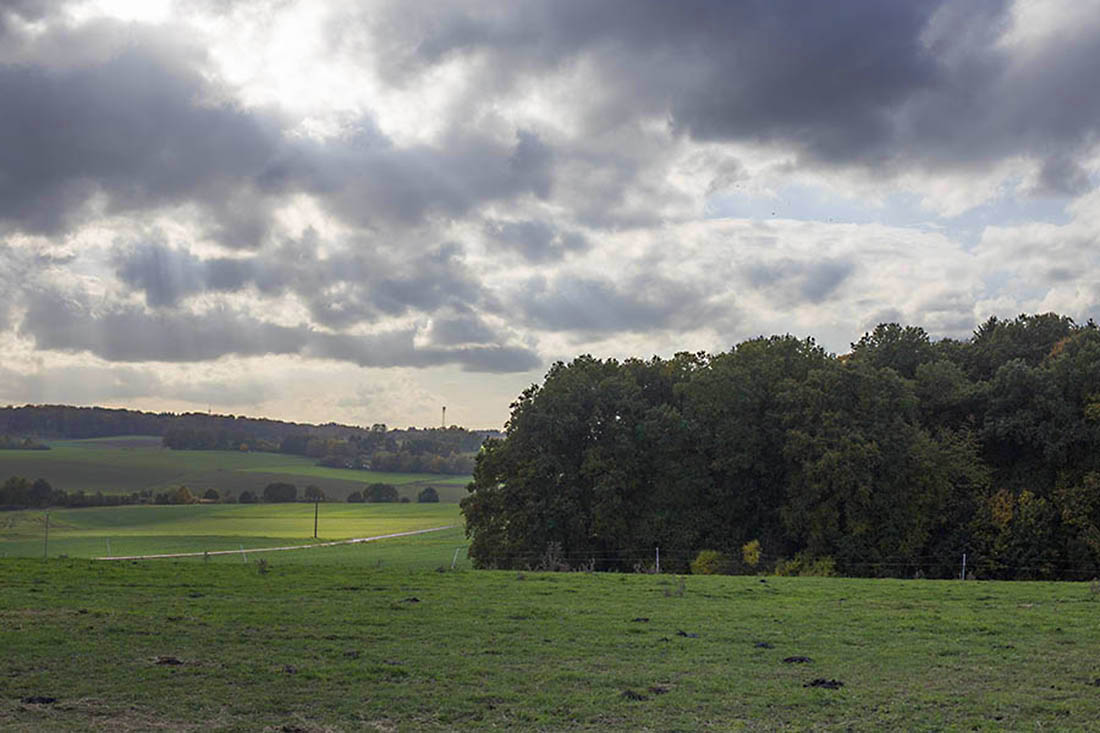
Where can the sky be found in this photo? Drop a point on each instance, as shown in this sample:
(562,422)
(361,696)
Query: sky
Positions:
(362,212)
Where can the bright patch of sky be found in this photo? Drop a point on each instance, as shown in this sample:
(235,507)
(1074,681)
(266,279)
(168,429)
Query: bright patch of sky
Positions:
(897,209)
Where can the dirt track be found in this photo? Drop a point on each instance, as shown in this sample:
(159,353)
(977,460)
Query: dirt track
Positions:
(354,541)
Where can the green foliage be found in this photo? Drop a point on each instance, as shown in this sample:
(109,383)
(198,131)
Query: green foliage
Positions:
(891,346)
(180,495)
(428,495)
(805,565)
(314,493)
(883,460)
(750,553)
(280,491)
(710,562)
(355,497)
(380,493)
(247,497)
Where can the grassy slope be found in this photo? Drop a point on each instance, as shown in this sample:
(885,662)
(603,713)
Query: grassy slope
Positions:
(133,530)
(134,463)
(344,646)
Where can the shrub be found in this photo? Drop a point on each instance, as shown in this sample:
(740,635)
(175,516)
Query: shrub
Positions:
(806,565)
(280,492)
(380,493)
(553,559)
(314,493)
(182,495)
(428,495)
(404,500)
(750,553)
(211,495)
(710,562)
(355,497)
(247,497)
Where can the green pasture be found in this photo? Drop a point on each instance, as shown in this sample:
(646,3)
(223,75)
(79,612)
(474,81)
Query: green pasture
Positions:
(354,646)
(135,463)
(142,530)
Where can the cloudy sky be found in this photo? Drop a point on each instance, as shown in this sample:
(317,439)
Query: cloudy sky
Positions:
(362,211)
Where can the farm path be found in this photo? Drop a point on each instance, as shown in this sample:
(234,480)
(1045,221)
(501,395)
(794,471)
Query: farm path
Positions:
(353,541)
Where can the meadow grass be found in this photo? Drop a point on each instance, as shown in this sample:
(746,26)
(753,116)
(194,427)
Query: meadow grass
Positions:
(135,463)
(137,530)
(349,645)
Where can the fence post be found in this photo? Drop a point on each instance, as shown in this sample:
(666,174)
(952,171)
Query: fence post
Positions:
(963,576)
(46,541)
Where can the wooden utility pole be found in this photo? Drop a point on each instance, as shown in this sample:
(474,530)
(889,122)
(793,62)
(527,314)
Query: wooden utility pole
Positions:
(316,506)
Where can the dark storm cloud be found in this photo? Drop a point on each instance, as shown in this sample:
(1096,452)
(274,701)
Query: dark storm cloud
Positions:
(368,181)
(137,128)
(796,282)
(126,333)
(535,240)
(397,348)
(129,334)
(923,84)
(1062,176)
(355,284)
(461,326)
(143,127)
(13,12)
(166,275)
(593,305)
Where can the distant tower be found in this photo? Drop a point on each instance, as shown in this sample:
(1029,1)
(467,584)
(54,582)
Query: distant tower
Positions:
(444,423)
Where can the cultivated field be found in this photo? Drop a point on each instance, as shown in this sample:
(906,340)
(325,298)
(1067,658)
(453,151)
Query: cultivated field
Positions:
(349,645)
(142,530)
(134,463)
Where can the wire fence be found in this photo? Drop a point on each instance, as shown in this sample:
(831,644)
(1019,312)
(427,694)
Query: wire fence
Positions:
(969,566)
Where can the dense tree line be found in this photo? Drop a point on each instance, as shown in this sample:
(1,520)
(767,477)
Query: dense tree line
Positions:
(894,459)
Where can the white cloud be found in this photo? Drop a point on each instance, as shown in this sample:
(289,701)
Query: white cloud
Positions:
(362,213)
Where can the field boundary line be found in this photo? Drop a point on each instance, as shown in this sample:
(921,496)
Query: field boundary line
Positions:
(333,543)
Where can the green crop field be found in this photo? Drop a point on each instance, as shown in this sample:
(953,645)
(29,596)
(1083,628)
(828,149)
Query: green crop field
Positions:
(141,530)
(348,645)
(134,463)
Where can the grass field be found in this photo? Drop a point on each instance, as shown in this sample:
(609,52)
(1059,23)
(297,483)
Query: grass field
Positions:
(139,530)
(350,646)
(134,463)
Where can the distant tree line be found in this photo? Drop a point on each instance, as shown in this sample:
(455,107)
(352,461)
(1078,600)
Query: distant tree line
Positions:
(20,493)
(892,460)
(430,450)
